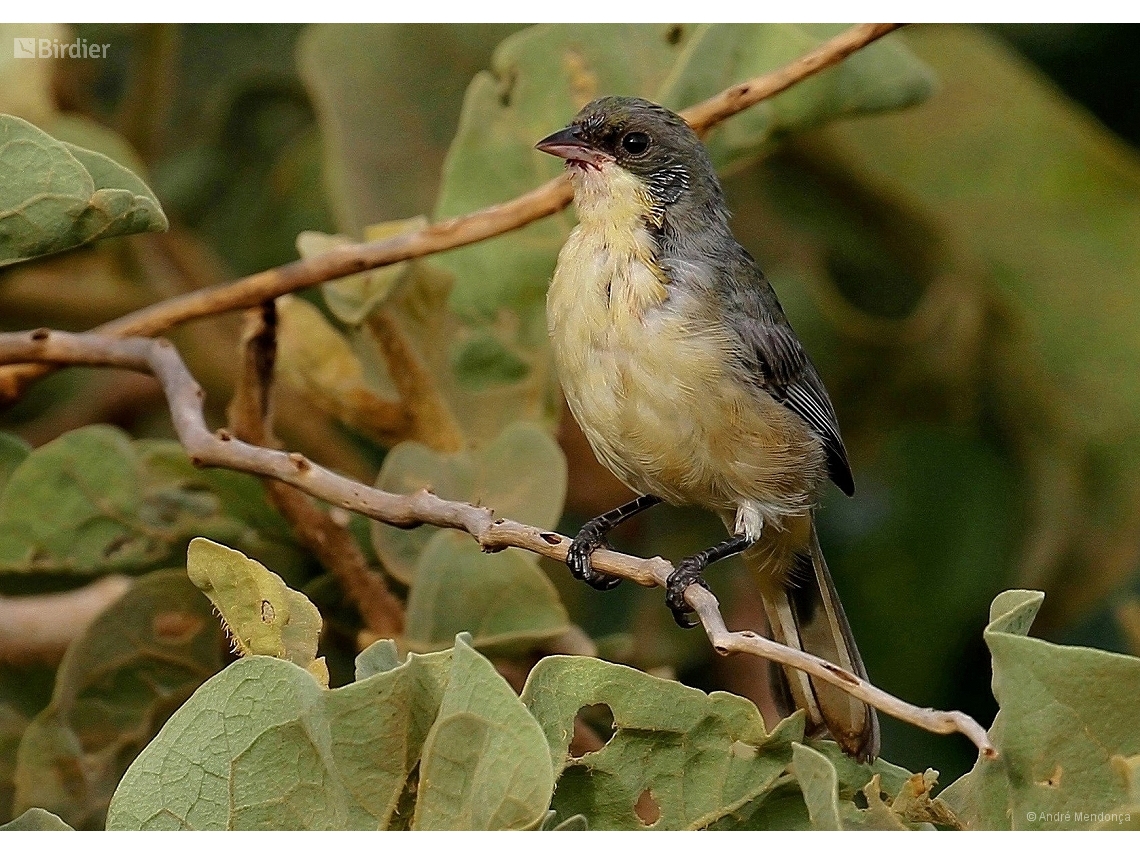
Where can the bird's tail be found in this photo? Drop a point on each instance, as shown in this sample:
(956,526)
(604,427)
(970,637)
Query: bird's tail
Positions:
(804,612)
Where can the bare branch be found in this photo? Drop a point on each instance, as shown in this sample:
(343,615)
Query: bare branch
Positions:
(549,198)
(184,396)
(740,97)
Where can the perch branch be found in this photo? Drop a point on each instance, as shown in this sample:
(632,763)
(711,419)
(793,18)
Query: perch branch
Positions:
(185,398)
(547,199)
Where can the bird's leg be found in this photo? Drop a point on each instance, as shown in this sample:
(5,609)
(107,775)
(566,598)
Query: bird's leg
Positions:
(688,572)
(593,535)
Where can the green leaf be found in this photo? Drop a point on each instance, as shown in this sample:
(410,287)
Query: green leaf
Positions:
(262,746)
(1039,205)
(661,728)
(521,475)
(882,76)
(36,819)
(116,686)
(485,762)
(483,360)
(63,196)
(819,783)
(25,689)
(92,501)
(13,451)
(1065,714)
(79,503)
(261,614)
(504,600)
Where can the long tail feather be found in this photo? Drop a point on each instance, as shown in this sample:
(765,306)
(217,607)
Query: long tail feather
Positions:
(804,612)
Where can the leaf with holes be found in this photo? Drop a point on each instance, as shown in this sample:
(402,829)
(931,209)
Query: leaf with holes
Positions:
(521,476)
(660,728)
(117,684)
(1065,714)
(261,614)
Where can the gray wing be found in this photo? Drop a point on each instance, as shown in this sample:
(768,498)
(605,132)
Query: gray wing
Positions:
(776,361)
(787,374)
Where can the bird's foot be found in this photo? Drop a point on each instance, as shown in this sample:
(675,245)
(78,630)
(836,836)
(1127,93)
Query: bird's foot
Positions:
(582,547)
(688,572)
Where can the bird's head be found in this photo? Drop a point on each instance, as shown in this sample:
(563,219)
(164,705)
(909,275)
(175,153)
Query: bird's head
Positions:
(619,142)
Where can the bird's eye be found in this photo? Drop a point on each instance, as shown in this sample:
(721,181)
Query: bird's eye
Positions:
(635,143)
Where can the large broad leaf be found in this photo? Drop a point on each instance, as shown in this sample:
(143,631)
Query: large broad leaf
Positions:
(94,501)
(117,684)
(1067,718)
(439,741)
(59,196)
(521,476)
(677,758)
(540,77)
(504,600)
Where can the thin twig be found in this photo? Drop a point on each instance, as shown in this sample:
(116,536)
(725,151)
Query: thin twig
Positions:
(332,544)
(549,198)
(184,397)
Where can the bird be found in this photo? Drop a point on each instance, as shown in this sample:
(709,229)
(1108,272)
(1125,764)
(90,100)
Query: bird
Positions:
(690,385)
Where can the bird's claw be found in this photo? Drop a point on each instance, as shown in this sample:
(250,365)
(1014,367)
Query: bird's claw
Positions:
(578,560)
(688,572)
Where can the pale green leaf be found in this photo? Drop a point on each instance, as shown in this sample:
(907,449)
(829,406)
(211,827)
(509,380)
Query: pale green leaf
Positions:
(94,501)
(60,196)
(485,763)
(1065,714)
(504,600)
(36,819)
(261,614)
(13,450)
(521,475)
(262,746)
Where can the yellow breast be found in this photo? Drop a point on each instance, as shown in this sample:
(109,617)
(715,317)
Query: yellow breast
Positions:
(643,367)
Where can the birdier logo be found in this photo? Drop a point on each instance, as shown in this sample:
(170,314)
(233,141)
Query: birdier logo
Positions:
(33,48)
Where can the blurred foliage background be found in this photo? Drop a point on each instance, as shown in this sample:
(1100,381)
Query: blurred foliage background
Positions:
(964,271)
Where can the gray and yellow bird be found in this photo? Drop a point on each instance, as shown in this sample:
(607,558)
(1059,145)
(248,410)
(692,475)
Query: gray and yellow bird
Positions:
(692,388)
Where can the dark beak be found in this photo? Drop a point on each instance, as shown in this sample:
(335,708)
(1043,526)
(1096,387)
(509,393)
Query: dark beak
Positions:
(568,145)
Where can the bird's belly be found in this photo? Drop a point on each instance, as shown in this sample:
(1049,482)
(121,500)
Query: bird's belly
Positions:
(650,386)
